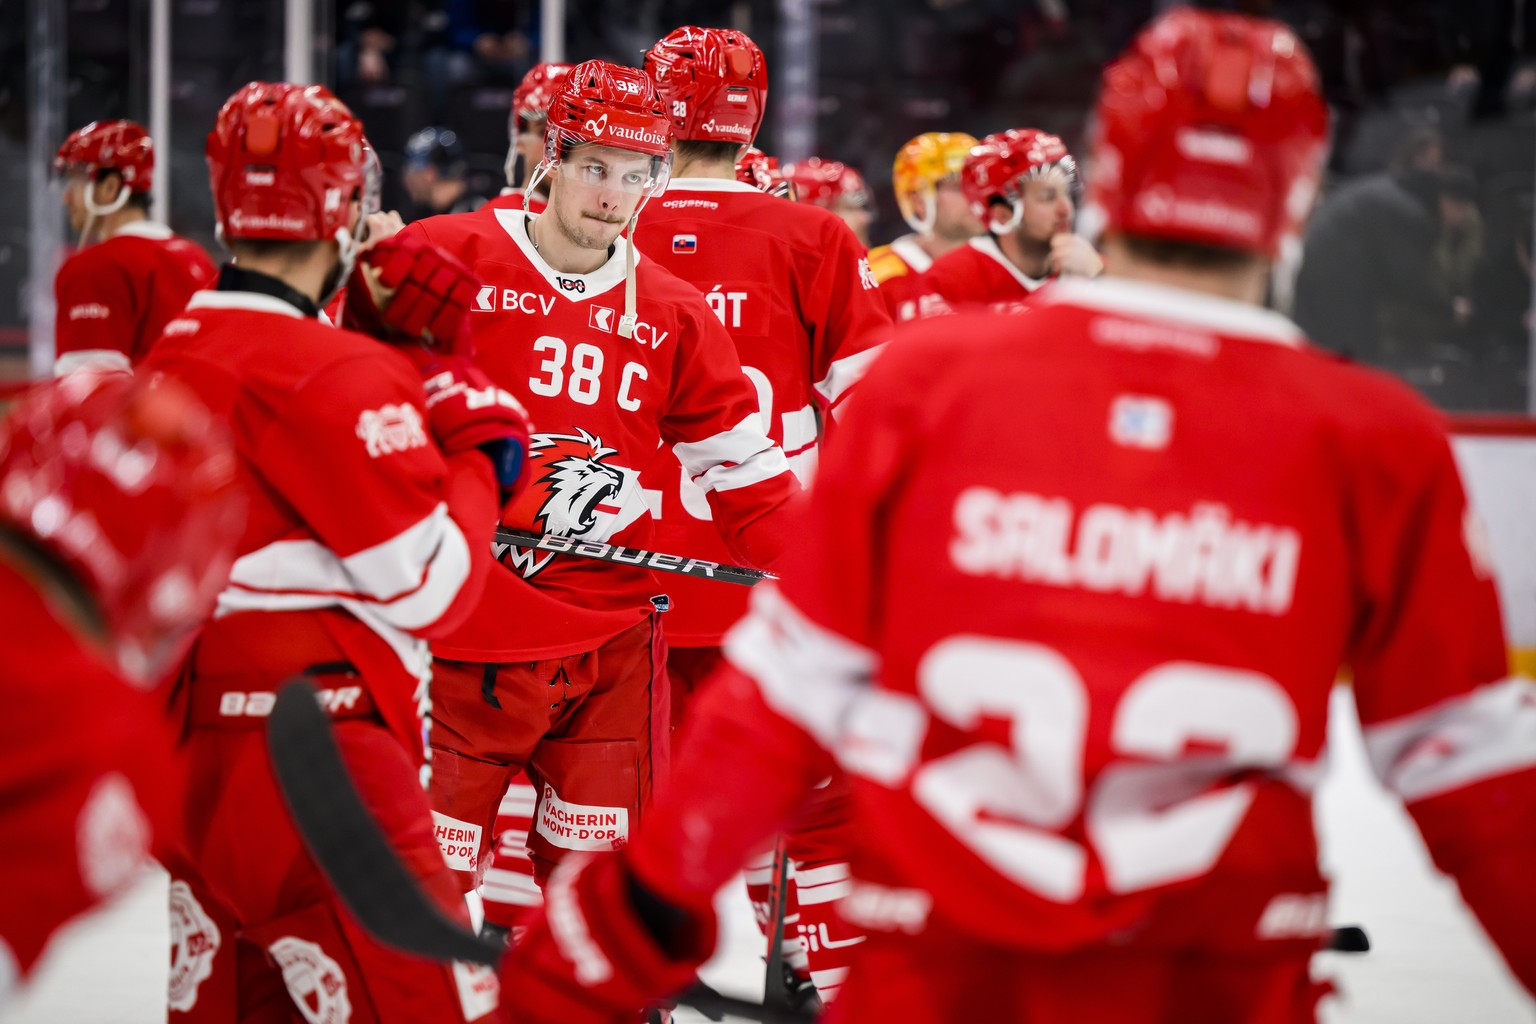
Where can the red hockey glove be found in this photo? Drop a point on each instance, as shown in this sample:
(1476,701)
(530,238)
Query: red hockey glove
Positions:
(602,948)
(465,410)
(403,286)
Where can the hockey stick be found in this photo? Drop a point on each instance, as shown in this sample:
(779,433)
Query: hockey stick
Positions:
(506,537)
(775,994)
(365,871)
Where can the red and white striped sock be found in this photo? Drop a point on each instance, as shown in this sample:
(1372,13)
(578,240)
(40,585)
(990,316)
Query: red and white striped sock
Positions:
(508,889)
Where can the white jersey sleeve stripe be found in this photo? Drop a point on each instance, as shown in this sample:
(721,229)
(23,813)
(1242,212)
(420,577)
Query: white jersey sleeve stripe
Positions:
(846,372)
(101,359)
(820,681)
(806,673)
(407,581)
(1480,735)
(732,459)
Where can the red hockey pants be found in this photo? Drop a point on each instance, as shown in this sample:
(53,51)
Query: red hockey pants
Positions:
(257,936)
(590,729)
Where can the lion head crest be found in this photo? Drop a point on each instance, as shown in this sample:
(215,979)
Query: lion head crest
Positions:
(576,481)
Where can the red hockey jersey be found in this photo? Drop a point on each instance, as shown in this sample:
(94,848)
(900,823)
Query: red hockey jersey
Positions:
(1069,613)
(897,268)
(85,775)
(977,275)
(601,407)
(790,283)
(115,297)
(355,514)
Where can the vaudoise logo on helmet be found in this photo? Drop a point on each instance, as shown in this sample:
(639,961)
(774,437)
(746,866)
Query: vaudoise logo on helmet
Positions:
(599,127)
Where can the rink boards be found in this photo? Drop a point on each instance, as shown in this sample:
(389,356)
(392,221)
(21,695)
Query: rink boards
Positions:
(1497,456)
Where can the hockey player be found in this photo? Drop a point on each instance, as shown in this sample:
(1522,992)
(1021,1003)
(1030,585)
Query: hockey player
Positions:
(1081,684)
(130,276)
(792,287)
(508,887)
(372,504)
(833,185)
(1020,184)
(562,666)
(526,128)
(107,565)
(926,178)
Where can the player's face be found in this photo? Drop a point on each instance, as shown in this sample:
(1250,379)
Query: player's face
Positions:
(530,143)
(953,220)
(596,192)
(75,183)
(1047,207)
(857,215)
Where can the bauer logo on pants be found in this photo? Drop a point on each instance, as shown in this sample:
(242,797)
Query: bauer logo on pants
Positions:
(459,841)
(315,981)
(194,943)
(581,826)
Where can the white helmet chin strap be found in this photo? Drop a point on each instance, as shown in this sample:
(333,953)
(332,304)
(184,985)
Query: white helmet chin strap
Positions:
(540,172)
(510,165)
(924,225)
(346,248)
(998,227)
(95,210)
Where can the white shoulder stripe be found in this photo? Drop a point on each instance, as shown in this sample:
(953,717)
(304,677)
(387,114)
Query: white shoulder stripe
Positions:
(1480,735)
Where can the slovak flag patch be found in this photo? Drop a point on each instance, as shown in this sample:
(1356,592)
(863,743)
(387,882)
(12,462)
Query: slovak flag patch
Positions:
(685,244)
(1141,421)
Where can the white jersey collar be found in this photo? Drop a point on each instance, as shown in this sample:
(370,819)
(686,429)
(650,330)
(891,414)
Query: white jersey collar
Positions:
(708,185)
(1144,299)
(988,246)
(912,253)
(145,229)
(253,302)
(575,287)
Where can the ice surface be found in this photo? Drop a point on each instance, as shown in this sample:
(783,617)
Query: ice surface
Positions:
(1430,964)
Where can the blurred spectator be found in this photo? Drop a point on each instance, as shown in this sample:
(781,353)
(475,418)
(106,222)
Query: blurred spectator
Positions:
(434,175)
(1461,239)
(367,43)
(488,41)
(1373,282)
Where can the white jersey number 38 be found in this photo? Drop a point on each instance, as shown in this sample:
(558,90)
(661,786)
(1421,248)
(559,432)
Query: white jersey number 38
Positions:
(580,373)
(1156,817)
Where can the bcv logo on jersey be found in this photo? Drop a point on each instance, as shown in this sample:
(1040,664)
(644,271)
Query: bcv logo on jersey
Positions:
(604,319)
(489,299)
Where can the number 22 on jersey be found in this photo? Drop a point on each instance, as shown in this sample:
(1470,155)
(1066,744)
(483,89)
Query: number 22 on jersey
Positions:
(1153,817)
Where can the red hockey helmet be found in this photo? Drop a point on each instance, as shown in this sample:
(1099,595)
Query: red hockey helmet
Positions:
(826,182)
(762,172)
(1000,164)
(286,161)
(121,146)
(713,81)
(534,94)
(607,104)
(129,483)
(1211,129)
